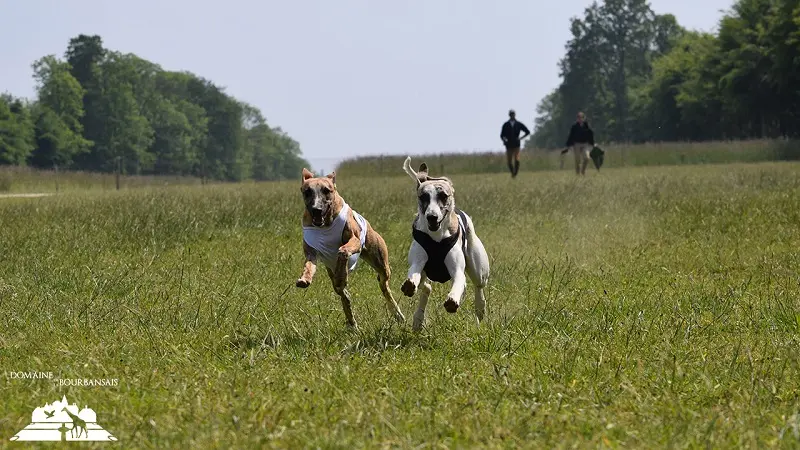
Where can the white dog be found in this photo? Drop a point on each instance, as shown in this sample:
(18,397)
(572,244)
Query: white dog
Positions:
(444,247)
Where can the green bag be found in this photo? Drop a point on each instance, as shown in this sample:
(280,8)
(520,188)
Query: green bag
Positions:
(597,156)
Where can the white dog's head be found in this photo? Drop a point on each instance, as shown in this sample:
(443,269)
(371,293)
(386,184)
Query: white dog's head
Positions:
(435,196)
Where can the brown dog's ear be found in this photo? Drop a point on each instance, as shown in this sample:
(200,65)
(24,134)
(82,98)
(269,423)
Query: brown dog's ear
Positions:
(332,177)
(307,174)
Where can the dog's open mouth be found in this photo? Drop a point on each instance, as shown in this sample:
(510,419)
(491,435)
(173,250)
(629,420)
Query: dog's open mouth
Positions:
(318,216)
(317,221)
(434,225)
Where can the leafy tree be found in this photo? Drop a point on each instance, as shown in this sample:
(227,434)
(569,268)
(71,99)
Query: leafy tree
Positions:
(102,110)
(218,157)
(608,59)
(84,55)
(781,38)
(679,94)
(548,124)
(179,129)
(627,29)
(58,114)
(16,131)
(640,76)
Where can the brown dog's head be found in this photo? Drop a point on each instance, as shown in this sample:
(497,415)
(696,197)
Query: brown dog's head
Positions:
(435,196)
(319,194)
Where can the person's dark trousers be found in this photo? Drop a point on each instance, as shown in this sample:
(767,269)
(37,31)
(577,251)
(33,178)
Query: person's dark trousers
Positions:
(512,156)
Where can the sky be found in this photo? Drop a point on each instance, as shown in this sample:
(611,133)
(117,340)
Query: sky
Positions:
(344,78)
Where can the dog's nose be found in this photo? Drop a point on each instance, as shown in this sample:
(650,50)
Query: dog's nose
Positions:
(316,211)
(432,218)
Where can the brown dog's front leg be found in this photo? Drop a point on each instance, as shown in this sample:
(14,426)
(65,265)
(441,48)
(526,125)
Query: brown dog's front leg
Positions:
(310,267)
(350,248)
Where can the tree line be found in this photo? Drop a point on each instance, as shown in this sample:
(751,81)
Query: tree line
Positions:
(101,110)
(640,76)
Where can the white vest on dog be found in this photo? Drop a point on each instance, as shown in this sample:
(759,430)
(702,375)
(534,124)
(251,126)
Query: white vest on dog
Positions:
(326,241)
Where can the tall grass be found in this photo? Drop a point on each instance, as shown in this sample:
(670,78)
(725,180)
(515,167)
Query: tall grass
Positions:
(617,155)
(632,308)
(29,180)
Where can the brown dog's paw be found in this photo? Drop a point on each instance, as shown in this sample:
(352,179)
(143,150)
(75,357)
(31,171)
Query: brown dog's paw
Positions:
(408,288)
(344,253)
(450,305)
(301,283)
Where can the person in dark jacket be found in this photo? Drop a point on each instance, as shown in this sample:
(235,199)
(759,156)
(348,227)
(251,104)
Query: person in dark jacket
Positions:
(581,140)
(509,133)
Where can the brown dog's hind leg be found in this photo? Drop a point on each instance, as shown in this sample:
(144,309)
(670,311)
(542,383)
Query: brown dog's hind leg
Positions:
(340,287)
(376,255)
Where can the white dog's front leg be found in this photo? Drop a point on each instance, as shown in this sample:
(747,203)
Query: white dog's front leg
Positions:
(417,257)
(456,264)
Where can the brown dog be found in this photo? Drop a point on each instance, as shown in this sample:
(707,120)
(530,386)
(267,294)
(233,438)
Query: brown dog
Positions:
(336,235)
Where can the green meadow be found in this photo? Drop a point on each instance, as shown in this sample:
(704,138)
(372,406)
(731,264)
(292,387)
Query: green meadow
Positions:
(636,307)
(616,156)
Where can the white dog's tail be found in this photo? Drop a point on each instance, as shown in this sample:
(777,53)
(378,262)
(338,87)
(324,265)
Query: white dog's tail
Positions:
(409,170)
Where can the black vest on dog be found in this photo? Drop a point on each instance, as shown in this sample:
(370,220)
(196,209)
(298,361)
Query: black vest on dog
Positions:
(435,268)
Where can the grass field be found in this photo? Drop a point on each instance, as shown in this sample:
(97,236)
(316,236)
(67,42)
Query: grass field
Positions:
(16,179)
(638,307)
(617,156)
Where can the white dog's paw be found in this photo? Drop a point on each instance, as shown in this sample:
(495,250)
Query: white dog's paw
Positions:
(408,288)
(451,305)
(302,283)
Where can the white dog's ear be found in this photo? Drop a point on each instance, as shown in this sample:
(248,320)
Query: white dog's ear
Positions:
(307,174)
(414,175)
(422,175)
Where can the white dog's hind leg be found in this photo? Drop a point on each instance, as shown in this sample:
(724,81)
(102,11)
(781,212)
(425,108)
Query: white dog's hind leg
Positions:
(477,268)
(417,257)
(422,303)
(478,271)
(480,303)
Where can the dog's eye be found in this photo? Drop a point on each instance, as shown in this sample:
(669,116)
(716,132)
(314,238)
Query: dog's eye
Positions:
(325,191)
(307,192)
(425,198)
(442,197)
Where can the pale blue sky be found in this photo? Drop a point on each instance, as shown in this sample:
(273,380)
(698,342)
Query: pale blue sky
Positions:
(344,77)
